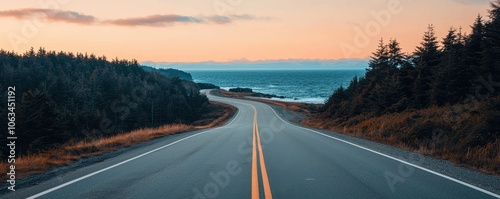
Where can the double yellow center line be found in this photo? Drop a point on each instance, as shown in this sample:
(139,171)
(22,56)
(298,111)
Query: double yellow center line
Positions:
(256,145)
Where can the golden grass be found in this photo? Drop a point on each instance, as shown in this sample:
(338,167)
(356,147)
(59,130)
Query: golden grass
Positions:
(41,162)
(74,150)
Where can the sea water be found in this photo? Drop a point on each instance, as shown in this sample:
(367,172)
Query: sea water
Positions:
(308,86)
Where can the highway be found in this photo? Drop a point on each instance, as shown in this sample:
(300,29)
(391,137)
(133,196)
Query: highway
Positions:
(257,154)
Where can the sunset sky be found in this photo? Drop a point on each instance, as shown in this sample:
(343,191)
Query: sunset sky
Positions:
(227,30)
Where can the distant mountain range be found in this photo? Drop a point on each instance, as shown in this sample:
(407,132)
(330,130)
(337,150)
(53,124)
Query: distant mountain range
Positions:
(291,64)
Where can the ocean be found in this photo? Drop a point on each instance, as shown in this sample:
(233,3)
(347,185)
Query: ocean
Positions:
(308,86)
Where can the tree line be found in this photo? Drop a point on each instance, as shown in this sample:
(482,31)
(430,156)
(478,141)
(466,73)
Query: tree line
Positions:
(170,72)
(440,72)
(63,96)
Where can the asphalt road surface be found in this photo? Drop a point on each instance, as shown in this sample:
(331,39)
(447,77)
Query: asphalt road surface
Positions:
(255,155)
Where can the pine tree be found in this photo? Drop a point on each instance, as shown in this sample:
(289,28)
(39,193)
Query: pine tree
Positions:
(396,56)
(379,62)
(391,86)
(441,86)
(474,47)
(426,58)
(427,55)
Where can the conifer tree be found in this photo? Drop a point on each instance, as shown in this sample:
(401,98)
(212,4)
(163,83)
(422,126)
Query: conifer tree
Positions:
(474,47)
(426,58)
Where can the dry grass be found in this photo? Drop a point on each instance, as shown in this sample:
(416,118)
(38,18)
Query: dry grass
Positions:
(74,150)
(464,134)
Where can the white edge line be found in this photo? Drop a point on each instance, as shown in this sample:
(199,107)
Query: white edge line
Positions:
(393,158)
(123,162)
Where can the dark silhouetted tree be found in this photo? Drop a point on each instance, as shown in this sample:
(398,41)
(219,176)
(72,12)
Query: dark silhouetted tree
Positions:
(474,47)
(426,58)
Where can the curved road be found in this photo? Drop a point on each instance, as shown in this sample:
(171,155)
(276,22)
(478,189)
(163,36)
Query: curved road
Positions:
(256,155)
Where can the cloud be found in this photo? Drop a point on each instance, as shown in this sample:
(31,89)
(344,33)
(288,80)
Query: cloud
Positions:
(154,20)
(168,20)
(250,17)
(220,19)
(157,20)
(50,15)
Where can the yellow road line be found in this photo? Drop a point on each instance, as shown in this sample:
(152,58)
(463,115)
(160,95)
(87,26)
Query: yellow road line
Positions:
(265,178)
(255,177)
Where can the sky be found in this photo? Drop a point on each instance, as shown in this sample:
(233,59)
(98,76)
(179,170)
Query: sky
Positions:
(228,30)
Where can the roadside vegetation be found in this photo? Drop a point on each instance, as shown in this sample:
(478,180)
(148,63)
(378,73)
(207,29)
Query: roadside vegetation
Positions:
(442,100)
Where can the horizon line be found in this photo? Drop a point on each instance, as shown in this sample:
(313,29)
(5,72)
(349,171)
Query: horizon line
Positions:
(258,61)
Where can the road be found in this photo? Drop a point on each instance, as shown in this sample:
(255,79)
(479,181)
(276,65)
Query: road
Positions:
(255,155)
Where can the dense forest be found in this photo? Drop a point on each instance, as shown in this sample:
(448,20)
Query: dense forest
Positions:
(449,85)
(436,74)
(62,96)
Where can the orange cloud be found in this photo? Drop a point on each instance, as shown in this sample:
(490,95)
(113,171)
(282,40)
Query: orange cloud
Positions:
(157,20)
